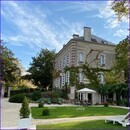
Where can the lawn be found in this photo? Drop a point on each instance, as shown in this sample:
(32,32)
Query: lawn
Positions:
(68,112)
(85,125)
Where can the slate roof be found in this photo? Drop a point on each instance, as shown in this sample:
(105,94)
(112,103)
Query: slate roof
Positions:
(97,40)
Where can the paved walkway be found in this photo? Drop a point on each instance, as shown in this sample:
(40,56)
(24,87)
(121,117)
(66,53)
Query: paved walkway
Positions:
(10,112)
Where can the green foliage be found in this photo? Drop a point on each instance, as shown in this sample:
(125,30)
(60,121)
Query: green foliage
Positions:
(90,72)
(46,112)
(73,111)
(36,95)
(20,91)
(49,101)
(124,102)
(120,89)
(25,110)
(83,125)
(17,98)
(41,100)
(50,94)
(119,71)
(120,7)
(106,104)
(59,101)
(121,59)
(10,70)
(42,68)
(40,105)
(54,100)
(73,75)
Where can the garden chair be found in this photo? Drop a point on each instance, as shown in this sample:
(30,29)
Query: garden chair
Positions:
(124,120)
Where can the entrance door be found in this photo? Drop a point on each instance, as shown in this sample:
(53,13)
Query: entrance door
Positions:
(89,97)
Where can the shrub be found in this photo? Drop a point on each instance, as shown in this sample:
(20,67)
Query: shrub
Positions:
(17,98)
(46,112)
(106,104)
(40,105)
(50,94)
(20,91)
(25,111)
(124,102)
(41,100)
(54,100)
(36,95)
(59,101)
(48,101)
(97,103)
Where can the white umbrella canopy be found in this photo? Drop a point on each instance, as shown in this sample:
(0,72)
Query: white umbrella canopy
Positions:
(86,90)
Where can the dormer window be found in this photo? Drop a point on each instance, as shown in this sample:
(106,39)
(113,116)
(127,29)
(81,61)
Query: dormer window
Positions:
(104,42)
(94,40)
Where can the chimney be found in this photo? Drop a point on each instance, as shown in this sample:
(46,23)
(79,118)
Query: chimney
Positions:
(75,36)
(87,34)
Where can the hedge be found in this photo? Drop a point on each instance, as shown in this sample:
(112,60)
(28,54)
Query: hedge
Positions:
(19,91)
(18,98)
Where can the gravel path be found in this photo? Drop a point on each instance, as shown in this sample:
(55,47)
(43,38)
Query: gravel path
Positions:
(64,120)
(10,112)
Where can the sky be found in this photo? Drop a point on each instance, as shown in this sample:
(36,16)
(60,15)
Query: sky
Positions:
(28,26)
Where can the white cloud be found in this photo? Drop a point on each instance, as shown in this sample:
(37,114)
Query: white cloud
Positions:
(82,6)
(106,13)
(34,29)
(121,32)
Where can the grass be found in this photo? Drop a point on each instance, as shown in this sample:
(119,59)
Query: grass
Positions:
(68,112)
(88,125)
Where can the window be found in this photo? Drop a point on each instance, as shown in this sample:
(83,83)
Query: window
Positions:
(63,79)
(64,64)
(67,78)
(68,59)
(81,57)
(81,77)
(101,78)
(102,60)
(60,64)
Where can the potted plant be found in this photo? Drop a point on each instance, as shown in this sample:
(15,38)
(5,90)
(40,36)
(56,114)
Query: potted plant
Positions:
(25,118)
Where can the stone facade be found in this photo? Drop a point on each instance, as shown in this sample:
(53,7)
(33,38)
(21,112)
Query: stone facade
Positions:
(81,49)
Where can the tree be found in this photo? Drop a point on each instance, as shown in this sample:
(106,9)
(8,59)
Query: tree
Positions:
(25,111)
(121,8)
(117,78)
(121,59)
(10,70)
(41,69)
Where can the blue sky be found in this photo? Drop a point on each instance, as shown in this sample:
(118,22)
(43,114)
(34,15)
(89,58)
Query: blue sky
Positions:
(28,26)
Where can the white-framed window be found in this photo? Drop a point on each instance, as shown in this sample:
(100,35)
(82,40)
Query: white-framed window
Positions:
(67,77)
(64,62)
(68,59)
(81,57)
(81,77)
(102,60)
(101,78)
(63,79)
(60,64)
